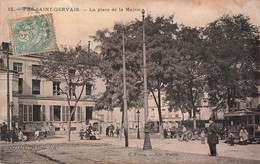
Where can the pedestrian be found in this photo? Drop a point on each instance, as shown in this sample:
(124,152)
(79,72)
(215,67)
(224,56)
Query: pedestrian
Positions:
(203,137)
(45,132)
(212,137)
(183,133)
(243,135)
(20,135)
(112,130)
(12,135)
(90,127)
(16,135)
(117,131)
(4,132)
(164,133)
(37,135)
(107,131)
(81,133)
(97,135)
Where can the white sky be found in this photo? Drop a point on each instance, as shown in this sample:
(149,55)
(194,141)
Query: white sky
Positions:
(71,27)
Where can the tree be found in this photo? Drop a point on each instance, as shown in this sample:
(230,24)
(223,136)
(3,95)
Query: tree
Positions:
(185,85)
(72,68)
(231,55)
(160,34)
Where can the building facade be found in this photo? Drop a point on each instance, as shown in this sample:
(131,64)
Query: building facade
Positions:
(38,103)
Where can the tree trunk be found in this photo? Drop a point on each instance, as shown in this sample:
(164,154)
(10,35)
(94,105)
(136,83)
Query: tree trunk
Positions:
(182,115)
(69,126)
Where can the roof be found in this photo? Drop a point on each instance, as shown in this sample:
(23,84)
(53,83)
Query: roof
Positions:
(243,112)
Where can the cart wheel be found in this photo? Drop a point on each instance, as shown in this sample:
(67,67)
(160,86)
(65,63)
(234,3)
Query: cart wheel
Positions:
(189,135)
(195,137)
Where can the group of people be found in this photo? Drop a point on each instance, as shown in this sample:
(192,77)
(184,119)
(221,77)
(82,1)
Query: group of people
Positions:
(15,135)
(89,133)
(213,138)
(243,137)
(110,131)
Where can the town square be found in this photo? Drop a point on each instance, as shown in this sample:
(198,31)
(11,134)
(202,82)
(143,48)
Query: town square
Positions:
(129,82)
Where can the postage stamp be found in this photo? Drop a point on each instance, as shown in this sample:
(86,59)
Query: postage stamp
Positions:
(32,34)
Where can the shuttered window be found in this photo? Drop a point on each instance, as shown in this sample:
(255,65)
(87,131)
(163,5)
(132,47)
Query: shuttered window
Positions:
(51,113)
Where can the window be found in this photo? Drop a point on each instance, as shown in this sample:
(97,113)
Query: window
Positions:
(56,88)
(111,116)
(72,116)
(257,119)
(101,117)
(250,119)
(73,128)
(64,113)
(36,113)
(89,110)
(35,70)
(36,87)
(51,113)
(27,113)
(170,112)
(89,89)
(79,114)
(57,113)
(72,90)
(20,86)
(152,113)
(1,63)
(176,115)
(163,101)
(30,113)
(18,67)
(163,113)
(43,113)
(107,115)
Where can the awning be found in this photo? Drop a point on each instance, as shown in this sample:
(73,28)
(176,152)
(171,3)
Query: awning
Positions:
(244,112)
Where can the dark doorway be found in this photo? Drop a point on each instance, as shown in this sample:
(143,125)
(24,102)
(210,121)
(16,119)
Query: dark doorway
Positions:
(57,113)
(89,110)
(36,113)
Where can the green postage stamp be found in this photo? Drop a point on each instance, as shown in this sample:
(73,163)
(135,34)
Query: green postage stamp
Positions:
(32,34)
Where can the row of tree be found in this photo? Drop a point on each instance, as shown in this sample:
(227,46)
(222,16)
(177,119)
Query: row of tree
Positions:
(182,62)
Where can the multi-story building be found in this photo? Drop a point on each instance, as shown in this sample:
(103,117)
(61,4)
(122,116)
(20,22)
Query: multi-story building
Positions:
(39,104)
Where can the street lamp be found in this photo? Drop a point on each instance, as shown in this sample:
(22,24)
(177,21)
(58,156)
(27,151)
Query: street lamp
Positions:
(125,96)
(138,131)
(147,142)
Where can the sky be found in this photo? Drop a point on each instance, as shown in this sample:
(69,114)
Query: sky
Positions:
(81,21)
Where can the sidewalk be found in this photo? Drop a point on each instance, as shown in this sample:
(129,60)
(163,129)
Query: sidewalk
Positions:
(251,151)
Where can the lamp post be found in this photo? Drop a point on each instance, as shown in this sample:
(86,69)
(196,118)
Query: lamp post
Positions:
(138,131)
(147,142)
(124,96)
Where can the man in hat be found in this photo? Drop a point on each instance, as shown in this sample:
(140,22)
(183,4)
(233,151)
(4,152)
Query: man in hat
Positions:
(212,137)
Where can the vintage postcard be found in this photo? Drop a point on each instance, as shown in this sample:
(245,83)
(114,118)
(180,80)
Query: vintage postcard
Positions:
(137,81)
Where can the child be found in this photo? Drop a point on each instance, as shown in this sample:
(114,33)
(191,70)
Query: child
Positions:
(232,139)
(37,135)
